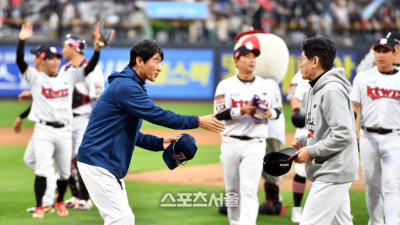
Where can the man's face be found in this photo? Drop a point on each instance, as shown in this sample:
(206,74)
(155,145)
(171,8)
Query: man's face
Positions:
(152,67)
(306,67)
(51,66)
(68,52)
(246,63)
(383,58)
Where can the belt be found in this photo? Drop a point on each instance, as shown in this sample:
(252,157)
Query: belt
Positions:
(53,124)
(243,138)
(379,130)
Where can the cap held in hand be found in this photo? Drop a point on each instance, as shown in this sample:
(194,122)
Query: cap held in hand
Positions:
(180,151)
(279,163)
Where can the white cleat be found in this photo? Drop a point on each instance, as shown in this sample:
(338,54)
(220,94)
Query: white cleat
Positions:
(296,214)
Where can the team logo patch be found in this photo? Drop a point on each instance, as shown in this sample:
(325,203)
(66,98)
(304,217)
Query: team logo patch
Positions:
(378,93)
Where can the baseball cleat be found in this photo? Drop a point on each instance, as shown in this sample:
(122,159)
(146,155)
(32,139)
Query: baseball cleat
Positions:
(39,213)
(223,210)
(70,203)
(84,205)
(31,209)
(61,209)
(296,214)
(46,208)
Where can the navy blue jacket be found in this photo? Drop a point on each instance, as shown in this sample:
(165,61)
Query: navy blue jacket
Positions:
(113,129)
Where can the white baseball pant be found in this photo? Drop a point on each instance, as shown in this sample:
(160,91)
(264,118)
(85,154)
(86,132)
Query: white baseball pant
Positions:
(242,163)
(79,124)
(107,194)
(327,203)
(52,145)
(51,180)
(380,163)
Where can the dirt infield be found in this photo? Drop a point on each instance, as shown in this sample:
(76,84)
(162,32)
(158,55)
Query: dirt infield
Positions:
(209,175)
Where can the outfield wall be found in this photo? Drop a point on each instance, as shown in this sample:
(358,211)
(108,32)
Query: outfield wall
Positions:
(187,72)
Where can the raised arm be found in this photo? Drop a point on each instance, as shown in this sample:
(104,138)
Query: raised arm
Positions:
(25,33)
(97,48)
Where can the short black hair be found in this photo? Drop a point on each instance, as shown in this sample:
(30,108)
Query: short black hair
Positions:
(145,50)
(323,48)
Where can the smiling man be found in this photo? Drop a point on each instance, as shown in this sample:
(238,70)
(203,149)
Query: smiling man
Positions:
(113,131)
(375,98)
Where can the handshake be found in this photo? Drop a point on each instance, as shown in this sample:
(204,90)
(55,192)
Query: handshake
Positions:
(258,116)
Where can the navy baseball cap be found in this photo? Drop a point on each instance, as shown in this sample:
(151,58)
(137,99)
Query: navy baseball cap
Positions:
(395,36)
(49,52)
(244,49)
(385,42)
(180,151)
(36,51)
(279,163)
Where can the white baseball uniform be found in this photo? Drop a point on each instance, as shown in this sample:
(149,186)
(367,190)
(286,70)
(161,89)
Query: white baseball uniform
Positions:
(379,98)
(243,144)
(84,97)
(52,112)
(299,88)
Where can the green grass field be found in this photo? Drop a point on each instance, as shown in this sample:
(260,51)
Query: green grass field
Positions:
(16,189)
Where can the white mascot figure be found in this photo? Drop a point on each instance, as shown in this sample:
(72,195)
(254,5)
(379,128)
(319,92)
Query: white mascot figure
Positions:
(272,64)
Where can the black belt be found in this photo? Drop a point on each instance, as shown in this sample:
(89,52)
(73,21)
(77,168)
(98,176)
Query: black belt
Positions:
(76,114)
(243,138)
(53,124)
(379,130)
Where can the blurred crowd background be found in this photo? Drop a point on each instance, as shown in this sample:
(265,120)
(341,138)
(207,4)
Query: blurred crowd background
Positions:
(347,22)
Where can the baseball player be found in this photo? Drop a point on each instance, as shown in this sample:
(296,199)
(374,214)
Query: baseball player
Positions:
(330,147)
(243,143)
(297,96)
(276,138)
(29,155)
(52,112)
(368,61)
(376,103)
(113,132)
(84,96)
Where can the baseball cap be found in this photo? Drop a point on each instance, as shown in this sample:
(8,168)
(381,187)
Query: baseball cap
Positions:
(76,41)
(36,51)
(180,151)
(385,42)
(279,163)
(49,52)
(246,47)
(395,36)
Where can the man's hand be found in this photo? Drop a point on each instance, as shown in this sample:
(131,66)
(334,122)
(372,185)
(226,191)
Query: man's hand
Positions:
(248,109)
(296,143)
(303,156)
(209,122)
(98,42)
(24,96)
(17,125)
(267,113)
(26,31)
(168,140)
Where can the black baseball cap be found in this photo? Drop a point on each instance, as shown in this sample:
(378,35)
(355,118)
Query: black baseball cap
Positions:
(279,163)
(180,151)
(49,52)
(395,36)
(385,42)
(244,49)
(36,51)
